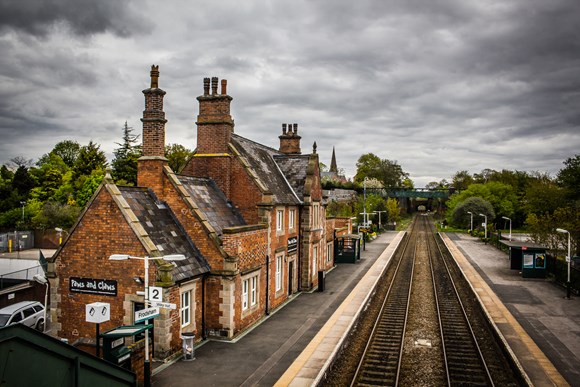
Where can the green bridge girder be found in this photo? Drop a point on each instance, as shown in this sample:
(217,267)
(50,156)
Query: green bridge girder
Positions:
(410,192)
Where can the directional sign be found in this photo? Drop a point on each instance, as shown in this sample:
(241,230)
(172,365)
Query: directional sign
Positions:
(166,305)
(155,293)
(146,314)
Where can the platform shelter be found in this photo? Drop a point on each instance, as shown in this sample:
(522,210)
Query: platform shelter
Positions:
(528,257)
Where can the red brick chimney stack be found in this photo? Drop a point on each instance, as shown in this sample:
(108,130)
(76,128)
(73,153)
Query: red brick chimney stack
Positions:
(290,140)
(214,122)
(150,165)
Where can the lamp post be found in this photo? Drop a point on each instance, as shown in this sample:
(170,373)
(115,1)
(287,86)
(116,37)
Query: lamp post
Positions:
(506,218)
(22,204)
(122,257)
(471,223)
(568,259)
(42,280)
(485,225)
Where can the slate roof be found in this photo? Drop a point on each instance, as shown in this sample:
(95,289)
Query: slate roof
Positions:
(165,232)
(212,202)
(294,168)
(261,160)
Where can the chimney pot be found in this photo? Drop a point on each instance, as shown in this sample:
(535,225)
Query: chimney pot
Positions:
(205,86)
(224,86)
(295,128)
(214,85)
(283,128)
(154,76)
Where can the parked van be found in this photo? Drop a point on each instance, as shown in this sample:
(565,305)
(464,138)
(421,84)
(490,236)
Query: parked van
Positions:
(29,313)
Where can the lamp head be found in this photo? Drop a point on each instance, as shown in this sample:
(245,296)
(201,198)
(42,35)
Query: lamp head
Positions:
(118,257)
(40,279)
(58,229)
(173,257)
(562,230)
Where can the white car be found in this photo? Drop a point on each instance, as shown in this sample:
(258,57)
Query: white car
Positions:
(29,313)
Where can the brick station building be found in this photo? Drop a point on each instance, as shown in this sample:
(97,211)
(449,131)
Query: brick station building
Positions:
(249,219)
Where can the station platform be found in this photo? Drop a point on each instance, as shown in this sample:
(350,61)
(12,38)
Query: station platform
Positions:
(541,326)
(262,355)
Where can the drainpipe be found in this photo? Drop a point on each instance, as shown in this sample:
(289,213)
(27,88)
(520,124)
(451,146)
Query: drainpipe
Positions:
(299,249)
(203,336)
(267,285)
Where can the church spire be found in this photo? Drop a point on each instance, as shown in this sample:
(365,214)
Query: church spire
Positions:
(333,167)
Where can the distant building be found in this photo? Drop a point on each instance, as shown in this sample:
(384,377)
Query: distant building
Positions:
(332,174)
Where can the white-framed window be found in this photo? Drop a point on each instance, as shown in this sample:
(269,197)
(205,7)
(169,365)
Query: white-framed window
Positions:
(185,308)
(279,263)
(245,288)
(315,260)
(291,219)
(250,291)
(329,252)
(315,214)
(254,290)
(280,220)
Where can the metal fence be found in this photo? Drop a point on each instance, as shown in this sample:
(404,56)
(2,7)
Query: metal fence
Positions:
(16,241)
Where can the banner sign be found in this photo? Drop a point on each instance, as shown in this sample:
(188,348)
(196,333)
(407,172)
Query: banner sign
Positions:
(93,286)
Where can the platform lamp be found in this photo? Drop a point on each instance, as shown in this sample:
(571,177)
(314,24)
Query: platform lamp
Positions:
(568,259)
(123,257)
(506,218)
(485,225)
(43,281)
(471,222)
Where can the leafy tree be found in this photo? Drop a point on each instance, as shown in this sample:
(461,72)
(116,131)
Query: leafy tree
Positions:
(125,162)
(90,185)
(501,196)
(23,182)
(543,196)
(54,214)
(461,180)
(90,158)
(394,212)
(178,155)
(476,205)
(541,228)
(569,177)
(388,172)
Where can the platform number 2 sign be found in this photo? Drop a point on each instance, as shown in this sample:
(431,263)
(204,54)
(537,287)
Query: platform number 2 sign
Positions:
(155,294)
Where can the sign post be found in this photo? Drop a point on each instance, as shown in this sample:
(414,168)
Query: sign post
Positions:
(98,312)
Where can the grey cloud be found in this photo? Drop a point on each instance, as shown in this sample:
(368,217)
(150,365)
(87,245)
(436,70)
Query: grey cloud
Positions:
(83,17)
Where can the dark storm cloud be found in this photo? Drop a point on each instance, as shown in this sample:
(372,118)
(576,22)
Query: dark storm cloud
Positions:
(83,17)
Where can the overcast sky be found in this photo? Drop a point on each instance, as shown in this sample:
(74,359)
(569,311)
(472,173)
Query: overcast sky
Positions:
(437,85)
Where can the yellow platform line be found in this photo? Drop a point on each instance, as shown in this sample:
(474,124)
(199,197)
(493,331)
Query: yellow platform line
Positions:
(537,368)
(310,366)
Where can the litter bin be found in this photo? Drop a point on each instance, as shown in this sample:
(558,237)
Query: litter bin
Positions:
(187,345)
(321,275)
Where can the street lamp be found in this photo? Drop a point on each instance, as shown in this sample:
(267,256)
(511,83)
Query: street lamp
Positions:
(122,257)
(22,204)
(506,218)
(43,281)
(471,223)
(485,225)
(568,259)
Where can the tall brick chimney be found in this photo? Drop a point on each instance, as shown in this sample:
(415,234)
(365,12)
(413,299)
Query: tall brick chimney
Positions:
(290,140)
(214,122)
(150,164)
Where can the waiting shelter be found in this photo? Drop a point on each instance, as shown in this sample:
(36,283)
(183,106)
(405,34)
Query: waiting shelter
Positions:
(528,257)
(347,248)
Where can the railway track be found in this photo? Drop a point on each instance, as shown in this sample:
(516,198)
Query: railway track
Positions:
(383,345)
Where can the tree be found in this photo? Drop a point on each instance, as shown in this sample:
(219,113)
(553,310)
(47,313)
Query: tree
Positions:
(125,162)
(90,158)
(388,172)
(569,177)
(461,180)
(178,155)
(476,205)
(23,182)
(68,151)
(394,212)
